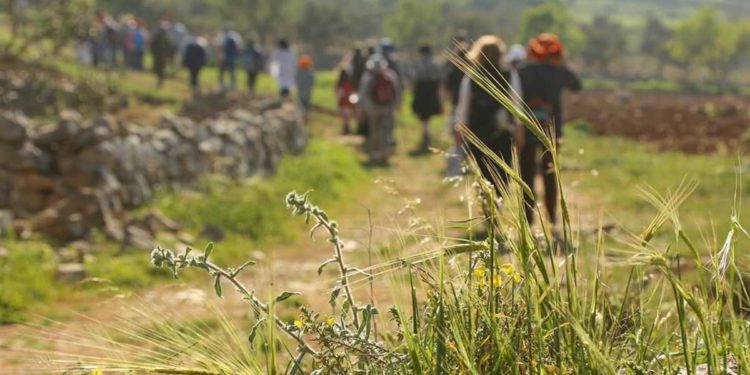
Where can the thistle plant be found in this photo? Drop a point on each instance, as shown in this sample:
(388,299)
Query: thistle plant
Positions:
(340,343)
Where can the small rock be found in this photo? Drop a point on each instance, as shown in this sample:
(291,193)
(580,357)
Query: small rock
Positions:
(14,127)
(213,233)
(138,237)
(70,272)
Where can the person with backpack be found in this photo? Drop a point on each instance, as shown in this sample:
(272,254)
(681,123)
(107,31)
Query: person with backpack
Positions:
(284,67)
(380,96)
(252,59)
(230,43)
(161,49)
(305,81)
(194,59)
(357,68)
(543,80)
(481,113)
(346,89)
(426,98)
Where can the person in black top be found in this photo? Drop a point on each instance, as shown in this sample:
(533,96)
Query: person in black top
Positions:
(543,80)
(194,59)
(481,113)
(452,74)
(426,96)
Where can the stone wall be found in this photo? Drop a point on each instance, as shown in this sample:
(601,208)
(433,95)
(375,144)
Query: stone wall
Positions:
(63,179)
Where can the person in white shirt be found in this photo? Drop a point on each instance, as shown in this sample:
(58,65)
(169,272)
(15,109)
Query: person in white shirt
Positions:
(284,67)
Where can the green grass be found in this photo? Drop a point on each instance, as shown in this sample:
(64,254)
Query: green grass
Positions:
(612,172)
(253,210)
(663,85)
(26,277)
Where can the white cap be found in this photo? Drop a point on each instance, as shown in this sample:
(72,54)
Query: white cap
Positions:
(516,52)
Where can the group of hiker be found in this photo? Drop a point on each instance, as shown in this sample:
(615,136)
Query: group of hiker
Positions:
(125,41)
(370,90)
(289,69)
(371,83)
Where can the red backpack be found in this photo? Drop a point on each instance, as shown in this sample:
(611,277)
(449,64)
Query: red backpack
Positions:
(383,90)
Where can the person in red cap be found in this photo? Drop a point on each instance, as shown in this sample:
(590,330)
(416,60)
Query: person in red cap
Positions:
(543,79)
(305,80)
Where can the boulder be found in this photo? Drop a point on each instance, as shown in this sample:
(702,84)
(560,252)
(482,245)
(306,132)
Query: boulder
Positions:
(70,272)
(14,127)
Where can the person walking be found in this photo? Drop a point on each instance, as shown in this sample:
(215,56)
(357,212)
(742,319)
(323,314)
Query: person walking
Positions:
(253,62)
(426,95)
(230,44)
(357,64)
(161,50)
(284,66)
(305,81)
(346,97)
(128,42)
(481,113)
(140,43)
(451,83)
(516,58)
(543,80)
(194,59)
(380,96)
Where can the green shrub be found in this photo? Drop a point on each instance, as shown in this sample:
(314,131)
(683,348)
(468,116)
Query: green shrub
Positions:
(247,208)
(27,277)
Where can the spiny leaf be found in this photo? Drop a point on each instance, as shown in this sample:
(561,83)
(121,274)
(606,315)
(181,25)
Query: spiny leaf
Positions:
(208,250)
(254,330)
(334,294)
(240,268)
(217,285)
(327,262)
(286,295)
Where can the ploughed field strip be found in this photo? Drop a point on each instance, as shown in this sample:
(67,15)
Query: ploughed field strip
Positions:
(692,123)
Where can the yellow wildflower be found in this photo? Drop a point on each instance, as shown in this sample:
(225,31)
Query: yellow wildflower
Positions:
(479,272)
(480,282)
(497,281)
(299,324)
(517,278)
(507,268)
(551,369)
(330,320)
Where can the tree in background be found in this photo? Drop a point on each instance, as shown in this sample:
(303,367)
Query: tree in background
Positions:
(264,18)
(605,42)
(46,25)
(414,22)
(552,17)
(693,37)
(703,39)
(731,49)
(654,41)
(320,23)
